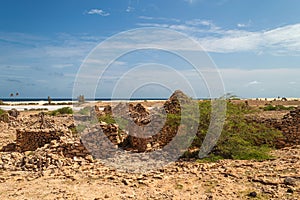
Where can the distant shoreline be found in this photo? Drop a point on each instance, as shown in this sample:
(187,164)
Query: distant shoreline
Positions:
(23,104)
(57,100)
(75,100)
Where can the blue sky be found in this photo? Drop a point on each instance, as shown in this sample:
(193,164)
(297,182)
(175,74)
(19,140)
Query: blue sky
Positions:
(254,44)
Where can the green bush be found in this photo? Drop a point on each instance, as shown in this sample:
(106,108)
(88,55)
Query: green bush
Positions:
(107,119)
(277,107)
(239,139)
(123,123)
(1,111)
(85,111)
(64,110)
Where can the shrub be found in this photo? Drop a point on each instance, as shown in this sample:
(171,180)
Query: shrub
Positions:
(1,111)
(270,107)
(239,139)
(64,110)
(123,123)
(85,111)
(3,103)
(107,119)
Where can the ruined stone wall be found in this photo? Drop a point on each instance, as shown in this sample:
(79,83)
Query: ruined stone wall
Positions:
(289,125)
(31,139)
(145,130)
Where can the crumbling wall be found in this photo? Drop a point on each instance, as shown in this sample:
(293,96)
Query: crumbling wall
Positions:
(31,139)
(147,130)
(289,125)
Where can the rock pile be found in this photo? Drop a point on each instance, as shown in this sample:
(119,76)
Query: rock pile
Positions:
(42,131)
(9,116)
(4,118)
(31,139)
(14,113)
(56,154)
(289,125)
(145,130)
(139,114)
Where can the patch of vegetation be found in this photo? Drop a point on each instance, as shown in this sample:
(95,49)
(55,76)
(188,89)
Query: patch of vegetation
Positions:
(64,110)
(85,111)
(107,119)
(123,123)
(3,116)
(270,107)
(239,139)
(178,186)
(76,130)
(1,111)
(36,109)
(2,103)
(58,104)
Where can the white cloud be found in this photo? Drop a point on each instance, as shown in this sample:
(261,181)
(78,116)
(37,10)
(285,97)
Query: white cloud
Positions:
(63,65)
(279,41)
(241,25)
(130,9)
(196,22)
(158,25)
(253,83)
(268,82)
(146,17)
(283,40)
(98,12)
(160,19)
(191,1)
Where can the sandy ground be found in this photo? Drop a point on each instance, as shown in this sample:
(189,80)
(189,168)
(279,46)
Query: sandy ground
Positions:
(226,179)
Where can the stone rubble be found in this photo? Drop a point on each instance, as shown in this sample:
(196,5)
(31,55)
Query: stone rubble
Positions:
(54,151)
(289,125)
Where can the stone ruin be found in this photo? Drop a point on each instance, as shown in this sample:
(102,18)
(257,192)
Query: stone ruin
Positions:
(31,139)
(14,113)
(44,133)
(289,125)
(43,143)
(56,145)
(10,115)
(37,134)
(137,135)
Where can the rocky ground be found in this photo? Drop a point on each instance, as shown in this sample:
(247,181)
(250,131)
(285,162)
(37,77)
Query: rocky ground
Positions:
(25,175)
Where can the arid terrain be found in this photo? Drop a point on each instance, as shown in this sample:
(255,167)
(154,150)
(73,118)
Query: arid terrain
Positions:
(47,173)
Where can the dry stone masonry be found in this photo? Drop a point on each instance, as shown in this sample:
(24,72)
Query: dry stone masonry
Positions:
(145,130)
(289,125)
(31,139)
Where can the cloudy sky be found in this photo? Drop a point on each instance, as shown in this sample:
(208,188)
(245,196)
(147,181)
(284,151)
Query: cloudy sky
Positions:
(254,45)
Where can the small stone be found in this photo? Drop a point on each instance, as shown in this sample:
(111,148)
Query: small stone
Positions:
(158,176)
(290,190)
(125,181)
(28,153)
(252,194)
(106,196)
(290,181)
(89,158)
(209,197)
